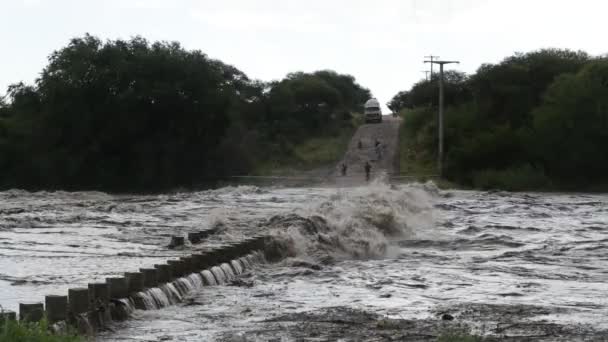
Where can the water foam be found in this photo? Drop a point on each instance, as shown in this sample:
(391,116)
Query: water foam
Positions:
(228,271)
(208,278)
(353,223)
(237,267)
(218,273)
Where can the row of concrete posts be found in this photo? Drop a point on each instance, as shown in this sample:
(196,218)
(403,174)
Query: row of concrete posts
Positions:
(100,302)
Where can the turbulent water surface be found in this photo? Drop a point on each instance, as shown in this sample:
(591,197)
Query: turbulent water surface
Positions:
(374,263)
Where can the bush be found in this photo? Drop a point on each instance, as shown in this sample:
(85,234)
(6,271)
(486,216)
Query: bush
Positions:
(14,331)
(571,127)
(415,119)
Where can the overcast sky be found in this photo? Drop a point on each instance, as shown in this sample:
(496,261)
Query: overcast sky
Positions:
(381,42)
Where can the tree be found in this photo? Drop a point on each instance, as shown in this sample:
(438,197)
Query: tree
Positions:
(571,126)
(135,115)
(425,93)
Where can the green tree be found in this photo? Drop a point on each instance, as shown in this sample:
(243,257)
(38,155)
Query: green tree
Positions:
(491,131)
(425,93)
(135,115)
(571,126)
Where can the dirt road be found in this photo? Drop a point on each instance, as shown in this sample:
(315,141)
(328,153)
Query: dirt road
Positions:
(385,158)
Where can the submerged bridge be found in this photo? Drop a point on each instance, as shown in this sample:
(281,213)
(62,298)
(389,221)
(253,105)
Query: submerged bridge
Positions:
(93,307)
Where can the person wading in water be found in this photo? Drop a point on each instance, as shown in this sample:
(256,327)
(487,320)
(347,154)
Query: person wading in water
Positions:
(368,169)
(343,169)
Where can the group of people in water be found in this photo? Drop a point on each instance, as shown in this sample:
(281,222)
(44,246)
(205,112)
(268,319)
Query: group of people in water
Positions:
(367,166)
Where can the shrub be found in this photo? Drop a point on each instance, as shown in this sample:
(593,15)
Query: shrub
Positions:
(14,331)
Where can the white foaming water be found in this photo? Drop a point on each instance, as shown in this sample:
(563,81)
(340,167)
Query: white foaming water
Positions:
(208,278)
(196,281)
(84,322)
(128,305)
(218,273)
(171,292)
(530,259)
(257,257)
(251,259)
(160,297)
(245,262)
(146,301)
(236,267)
(182,285)
(357,223)
(189,283)
(227,271)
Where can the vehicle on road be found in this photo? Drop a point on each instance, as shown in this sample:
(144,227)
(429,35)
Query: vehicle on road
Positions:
(372,112)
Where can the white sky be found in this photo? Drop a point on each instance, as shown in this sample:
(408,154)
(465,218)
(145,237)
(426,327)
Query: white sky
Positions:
(382,42)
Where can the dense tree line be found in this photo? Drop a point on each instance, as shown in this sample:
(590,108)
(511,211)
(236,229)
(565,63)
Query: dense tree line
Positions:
(134,115)
(534,120)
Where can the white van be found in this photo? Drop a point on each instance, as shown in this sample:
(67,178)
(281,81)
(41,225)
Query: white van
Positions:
(372,113)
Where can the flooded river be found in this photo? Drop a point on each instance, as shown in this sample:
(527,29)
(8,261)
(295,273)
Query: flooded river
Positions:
(371,263)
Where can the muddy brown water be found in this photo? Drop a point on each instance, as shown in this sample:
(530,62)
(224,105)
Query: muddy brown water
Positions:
(370,263)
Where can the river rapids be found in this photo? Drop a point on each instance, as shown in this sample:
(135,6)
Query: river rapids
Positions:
(374,263)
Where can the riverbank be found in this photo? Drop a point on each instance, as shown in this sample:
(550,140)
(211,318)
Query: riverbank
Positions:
(417,161)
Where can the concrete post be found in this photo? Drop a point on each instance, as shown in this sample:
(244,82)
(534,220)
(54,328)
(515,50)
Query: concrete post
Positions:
(252,244)
(78,300)
(201,260)
(194,237)
(203,234)
(177,241)
(150,277)
(177,267)
(31,312)
(135,281)
(260,242)
(164,273)
(217,255)
(247,245)
(189,266)
(99,294)
(56,308)
(119,287)
(234,250)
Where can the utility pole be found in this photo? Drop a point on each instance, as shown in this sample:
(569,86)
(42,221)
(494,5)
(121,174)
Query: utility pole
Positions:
(426,74)
(432,59)
(440,118)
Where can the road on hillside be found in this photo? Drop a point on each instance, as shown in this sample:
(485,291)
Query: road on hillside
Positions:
(386,160)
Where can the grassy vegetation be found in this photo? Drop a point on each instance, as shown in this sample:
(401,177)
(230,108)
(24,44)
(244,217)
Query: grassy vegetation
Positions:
(314,153)
(458,337)
(414,159)
(14,331)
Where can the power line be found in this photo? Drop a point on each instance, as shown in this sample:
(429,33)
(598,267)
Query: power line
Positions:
(431,58)
(440,119)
